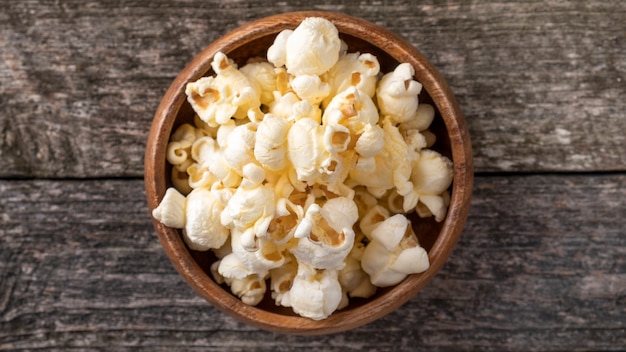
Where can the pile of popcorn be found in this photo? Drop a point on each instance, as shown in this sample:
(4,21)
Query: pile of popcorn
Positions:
(299,169)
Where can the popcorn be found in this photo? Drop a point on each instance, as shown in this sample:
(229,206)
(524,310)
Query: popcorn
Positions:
(229,94)
(208,154)
(281,280)
(203,229)
(325,234)
(431,176)
(262,78)
(283,226)
(310,88)
(304,144)
(250,289)
(231,267)
(267,256)
(315,294)
(171,210)
(277,53)
(354,281)
(298,172)
(179,147)
(393,165)
(370,142)
(352,109)
(393,253)
(397,94)
(270,148)
(424,116)
(359,71)
(312,48)
(239,147)
(250,209)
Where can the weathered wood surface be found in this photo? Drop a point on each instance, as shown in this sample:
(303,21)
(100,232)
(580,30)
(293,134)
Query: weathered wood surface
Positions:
(540,267)
(80,267)
(541,82)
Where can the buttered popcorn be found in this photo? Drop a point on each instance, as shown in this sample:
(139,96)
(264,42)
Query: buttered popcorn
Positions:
(299,173)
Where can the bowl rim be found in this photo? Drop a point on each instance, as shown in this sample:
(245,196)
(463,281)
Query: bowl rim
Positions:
(446,104)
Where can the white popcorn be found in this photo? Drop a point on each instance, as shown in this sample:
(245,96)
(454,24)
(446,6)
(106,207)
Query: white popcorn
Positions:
(283,185)
(261,260)
(342,212)
(262,77)
(204,127)
(203,229)
(239,148)
(284,104)
(315,294)
(397,94)
(250,289)
(325,234)
(171,209)
(431,205)
(336,138)
(431,173)
(313,47)
(390,231)
(393,167)
(304,109)
(281,281)
(372,218)
(277,52)
(200,176)
(353,70)
(227,95)
(396,203)
(209,100)
(431,176)
(270,148)
(352,109)
(290,106)
(423,118)
(394,253)
(231,267)
(303,148)
(223,133)
(207,153)
(250,210)
(283,226)
(415,141)
(310,88)
(239,90)
(371,141)
(179,146)
(298,170)
(354,281)
(333,171)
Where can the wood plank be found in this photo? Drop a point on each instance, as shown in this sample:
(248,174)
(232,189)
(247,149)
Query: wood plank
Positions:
(541,82)
(80,267)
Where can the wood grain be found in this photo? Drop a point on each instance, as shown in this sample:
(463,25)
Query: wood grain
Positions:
(541,83)
(541,263)
(80,268)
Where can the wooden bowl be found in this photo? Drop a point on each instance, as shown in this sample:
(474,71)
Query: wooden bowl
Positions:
(438,239)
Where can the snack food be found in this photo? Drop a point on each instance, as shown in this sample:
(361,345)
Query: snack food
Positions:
(300,178)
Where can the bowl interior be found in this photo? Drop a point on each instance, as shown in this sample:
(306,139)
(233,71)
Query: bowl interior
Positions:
(438,239)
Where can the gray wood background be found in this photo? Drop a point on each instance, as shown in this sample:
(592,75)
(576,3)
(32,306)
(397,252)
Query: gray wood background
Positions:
(541,265)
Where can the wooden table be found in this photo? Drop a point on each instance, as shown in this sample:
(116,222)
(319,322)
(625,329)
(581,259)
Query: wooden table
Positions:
(541,265)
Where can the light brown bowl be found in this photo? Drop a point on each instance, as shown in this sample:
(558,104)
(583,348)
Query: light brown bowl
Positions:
(438,239)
